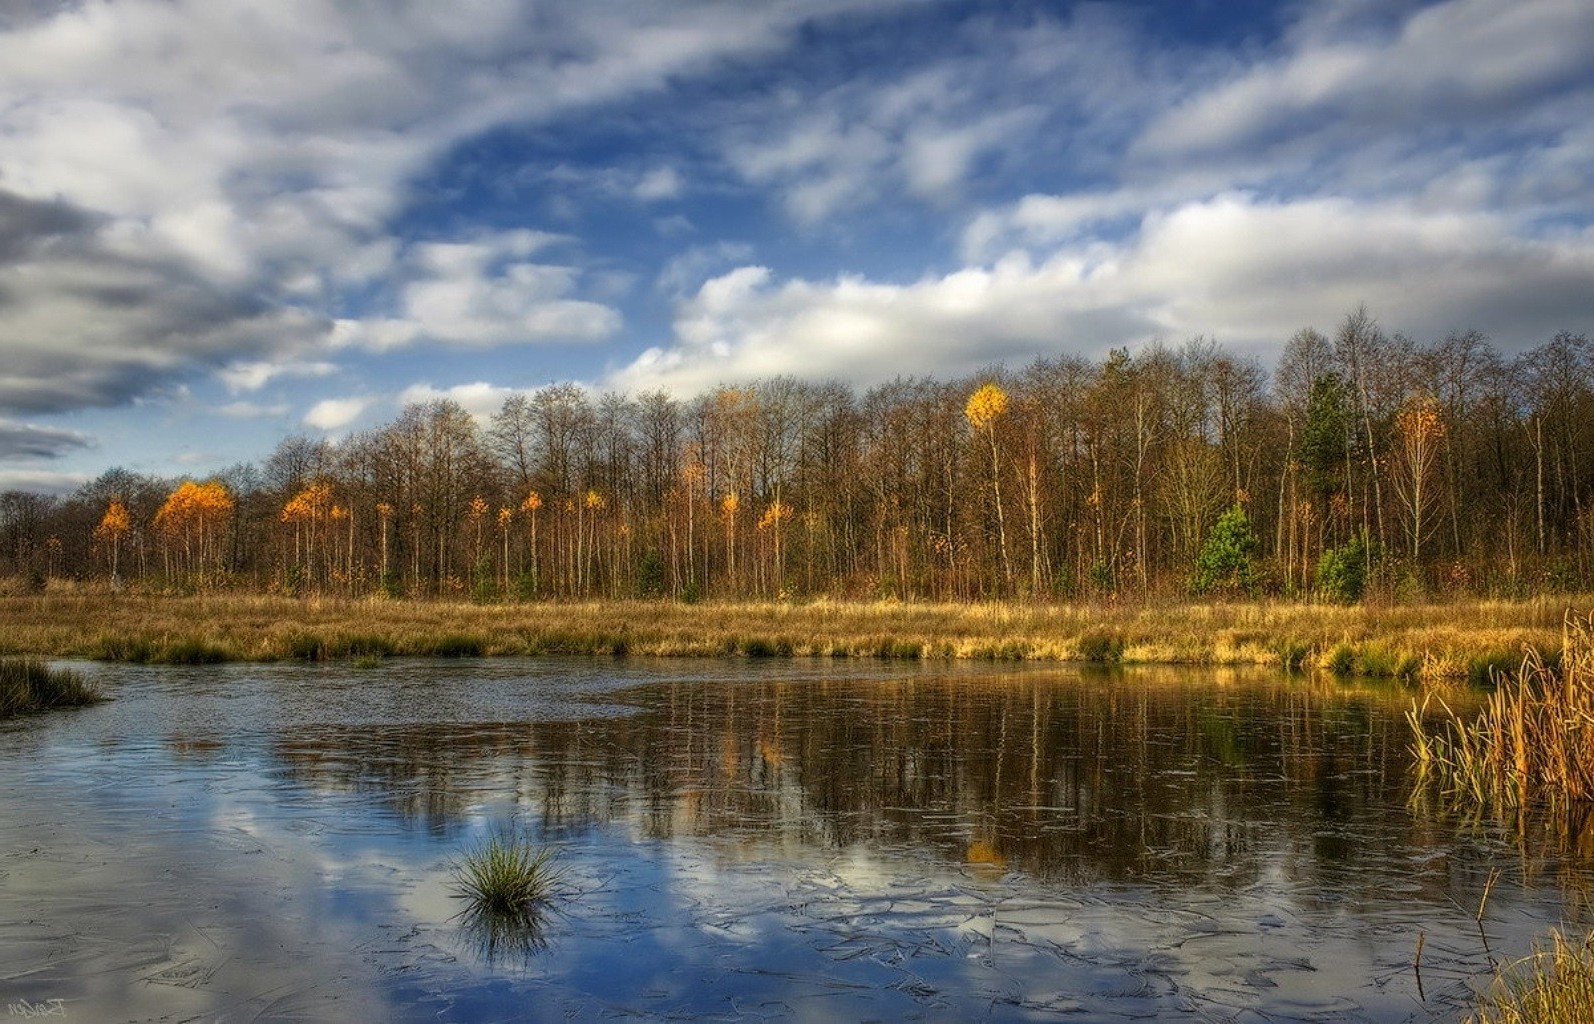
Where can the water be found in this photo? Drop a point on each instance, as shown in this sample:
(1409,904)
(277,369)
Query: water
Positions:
(765,840)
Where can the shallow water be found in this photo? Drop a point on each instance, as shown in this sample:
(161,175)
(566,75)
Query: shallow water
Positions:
(748,840)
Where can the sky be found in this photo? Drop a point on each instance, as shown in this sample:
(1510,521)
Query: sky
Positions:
(223,222)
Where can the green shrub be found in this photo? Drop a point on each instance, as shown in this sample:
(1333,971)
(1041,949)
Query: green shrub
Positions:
(1342,571)
(1227,562)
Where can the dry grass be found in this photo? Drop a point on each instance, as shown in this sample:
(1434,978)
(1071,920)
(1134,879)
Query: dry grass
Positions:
(1553,986)
(1534,738)
(1429,641)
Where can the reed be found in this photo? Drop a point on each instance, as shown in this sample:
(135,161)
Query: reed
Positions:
(28,685)
(1534,737)
(1554,985)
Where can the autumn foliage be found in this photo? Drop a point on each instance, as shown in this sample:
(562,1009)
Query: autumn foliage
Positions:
(1362,458)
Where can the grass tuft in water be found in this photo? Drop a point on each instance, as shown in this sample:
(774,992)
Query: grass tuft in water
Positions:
(507,882)
(1552,986)
(506,874)
(27,684)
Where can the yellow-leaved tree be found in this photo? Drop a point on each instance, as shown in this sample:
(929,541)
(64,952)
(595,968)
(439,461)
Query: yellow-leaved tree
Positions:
(987,405)
(190,523)
(114,525)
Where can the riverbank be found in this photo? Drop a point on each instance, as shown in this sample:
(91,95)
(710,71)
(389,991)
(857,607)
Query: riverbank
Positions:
(1441,641)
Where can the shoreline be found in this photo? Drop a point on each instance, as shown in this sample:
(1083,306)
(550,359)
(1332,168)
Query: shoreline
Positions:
(1458,640)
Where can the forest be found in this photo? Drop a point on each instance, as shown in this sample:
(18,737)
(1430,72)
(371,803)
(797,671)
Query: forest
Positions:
(1366,464)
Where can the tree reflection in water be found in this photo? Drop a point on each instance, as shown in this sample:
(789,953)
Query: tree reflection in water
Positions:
(1065,776)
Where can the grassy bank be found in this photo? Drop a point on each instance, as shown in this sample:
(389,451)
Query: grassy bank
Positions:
(1432,641)
(28,685)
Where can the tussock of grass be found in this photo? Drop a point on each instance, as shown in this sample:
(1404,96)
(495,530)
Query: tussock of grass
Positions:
(506,874)
(506,882)
(1552,986)
(28,685)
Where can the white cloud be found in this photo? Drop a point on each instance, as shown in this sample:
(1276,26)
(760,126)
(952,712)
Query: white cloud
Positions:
(687,270)
(252,376)
(480,398)
(1248,271)
(1488,58)
(657,184)
(252,410)
(41,481)
(484,293)
(336,413)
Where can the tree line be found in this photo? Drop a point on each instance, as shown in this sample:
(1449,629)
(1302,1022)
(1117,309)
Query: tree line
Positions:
(1365,462)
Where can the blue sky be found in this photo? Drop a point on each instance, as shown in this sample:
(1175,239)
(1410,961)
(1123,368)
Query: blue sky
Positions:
(224,221)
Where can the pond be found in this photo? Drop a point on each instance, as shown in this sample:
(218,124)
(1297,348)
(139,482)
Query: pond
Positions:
(750,840)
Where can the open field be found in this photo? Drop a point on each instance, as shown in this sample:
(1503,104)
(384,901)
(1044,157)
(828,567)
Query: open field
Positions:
(1457,640)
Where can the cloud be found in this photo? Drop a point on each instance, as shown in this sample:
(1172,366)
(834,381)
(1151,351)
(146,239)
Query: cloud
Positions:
(481,399)
(929,117)
(1243,269)
(1464,66)
(41,481)
(336,413)
(484,293)
(252,376)
(195,184)
(687,270)
(26,441)
(88,318)
(252,410)
(659,183)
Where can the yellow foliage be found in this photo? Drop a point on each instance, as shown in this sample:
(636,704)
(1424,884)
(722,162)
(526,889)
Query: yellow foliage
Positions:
(309,504)
(985,406)
(116,522)
(730,503)
(532,503)
(776,512)
(596,502)
(194,504)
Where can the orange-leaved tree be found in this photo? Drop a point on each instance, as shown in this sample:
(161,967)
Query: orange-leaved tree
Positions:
(190,523)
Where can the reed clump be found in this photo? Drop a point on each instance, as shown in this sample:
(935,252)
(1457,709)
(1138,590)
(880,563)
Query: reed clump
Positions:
(28,685)
(1533,738)
(1554,985)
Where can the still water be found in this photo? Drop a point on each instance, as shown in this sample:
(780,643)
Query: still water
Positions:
(749,840)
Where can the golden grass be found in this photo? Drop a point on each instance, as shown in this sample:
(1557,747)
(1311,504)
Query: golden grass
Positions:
(1535,736)
(1552,986)
(1417,641)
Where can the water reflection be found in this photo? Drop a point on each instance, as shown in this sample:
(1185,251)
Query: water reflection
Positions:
(798,840)
(1104,778)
